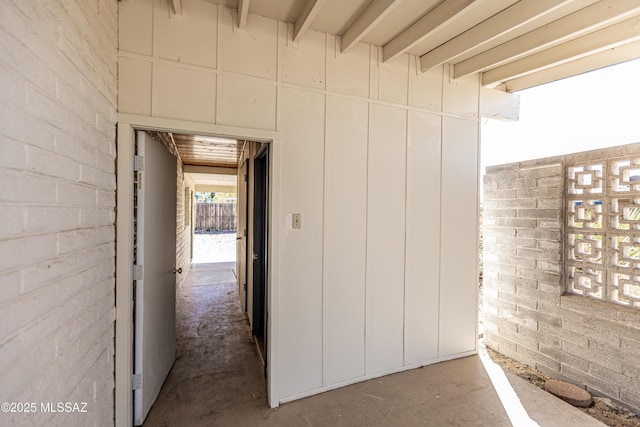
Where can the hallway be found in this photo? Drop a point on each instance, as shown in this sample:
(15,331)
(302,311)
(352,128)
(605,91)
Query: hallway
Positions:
(217,367)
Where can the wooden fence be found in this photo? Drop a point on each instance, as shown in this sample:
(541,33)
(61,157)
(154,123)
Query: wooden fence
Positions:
(215,217)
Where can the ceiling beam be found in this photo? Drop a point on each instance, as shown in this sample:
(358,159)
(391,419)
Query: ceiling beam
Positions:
(597,41)
(367,21)
(243,13)
(509,19)
(426,25)
(606,58)
(175,147)
(306,17)
(589,18)
(216,188)
(497,104)
(177,6)
(210,170)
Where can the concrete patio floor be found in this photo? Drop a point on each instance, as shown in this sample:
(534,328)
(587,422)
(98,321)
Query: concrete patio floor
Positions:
(217,380)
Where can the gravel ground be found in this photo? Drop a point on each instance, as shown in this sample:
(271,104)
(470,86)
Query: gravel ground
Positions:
(214,247)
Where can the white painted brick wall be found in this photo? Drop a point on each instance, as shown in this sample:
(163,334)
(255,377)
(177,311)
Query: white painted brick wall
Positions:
(58,93)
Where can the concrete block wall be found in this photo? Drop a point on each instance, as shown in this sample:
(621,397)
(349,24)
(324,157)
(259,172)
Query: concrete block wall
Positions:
(527,314)
(57,208)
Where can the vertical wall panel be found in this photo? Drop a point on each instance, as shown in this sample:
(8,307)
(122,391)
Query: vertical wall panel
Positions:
(190,38)
(422,265)
(345,238)
(301,266)
(183,93)
(303,62)
(252,50)
(247,102)
(460,96)
(426,88)
(136,27)
(459,236)
(385,238)
(348,72)
(393,78)
(134,86)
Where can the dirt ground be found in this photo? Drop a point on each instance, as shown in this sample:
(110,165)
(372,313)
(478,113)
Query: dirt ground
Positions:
(214,247)
(602,408)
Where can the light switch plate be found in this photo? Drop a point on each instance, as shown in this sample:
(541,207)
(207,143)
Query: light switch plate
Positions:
(296,220)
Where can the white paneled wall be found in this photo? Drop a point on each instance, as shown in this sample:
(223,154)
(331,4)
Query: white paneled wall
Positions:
(385,238)
(422,256)
(345,236)
(380,160)
(302,115)
(458,236)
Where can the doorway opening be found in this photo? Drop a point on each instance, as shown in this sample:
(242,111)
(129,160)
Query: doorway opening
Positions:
(229,277)
(215,218)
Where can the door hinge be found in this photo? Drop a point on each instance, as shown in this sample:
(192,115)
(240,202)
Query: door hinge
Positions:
(245,287)
(137,272)
(136,382)
(138,163)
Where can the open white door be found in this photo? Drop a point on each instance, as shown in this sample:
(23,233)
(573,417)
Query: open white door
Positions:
(155,294)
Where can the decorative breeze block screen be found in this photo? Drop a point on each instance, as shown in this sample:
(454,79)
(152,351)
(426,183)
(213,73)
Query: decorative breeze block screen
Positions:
(603,230)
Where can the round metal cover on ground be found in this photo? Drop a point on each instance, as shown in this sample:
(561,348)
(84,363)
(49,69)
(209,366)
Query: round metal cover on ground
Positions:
(568,392)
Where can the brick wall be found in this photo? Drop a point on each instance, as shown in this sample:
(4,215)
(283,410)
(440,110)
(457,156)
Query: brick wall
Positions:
(183,230)
(57,207)
(527,314)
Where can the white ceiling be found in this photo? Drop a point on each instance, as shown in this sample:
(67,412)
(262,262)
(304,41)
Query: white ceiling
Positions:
(213,179)
(515,44)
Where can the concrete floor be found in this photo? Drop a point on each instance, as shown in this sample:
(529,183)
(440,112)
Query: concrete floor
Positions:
(217,380)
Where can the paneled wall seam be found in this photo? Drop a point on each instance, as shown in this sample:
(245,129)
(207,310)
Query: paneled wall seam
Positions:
(366,245)
(404,284)
(440,228)
(324,258)
(219,88)
(278,75)
(325,331)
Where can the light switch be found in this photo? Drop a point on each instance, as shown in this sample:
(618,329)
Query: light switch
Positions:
(296,220)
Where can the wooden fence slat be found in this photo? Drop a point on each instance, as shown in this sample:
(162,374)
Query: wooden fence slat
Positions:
(215,217)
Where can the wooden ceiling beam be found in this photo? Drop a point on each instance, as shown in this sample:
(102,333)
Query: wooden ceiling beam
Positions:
(597,15)
(306,17)
(365,22)
(606,58)
(243,13)
(597,41)
(420,30)
(204,170)
(509,19)
(177,6)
